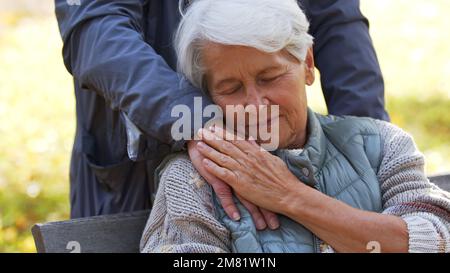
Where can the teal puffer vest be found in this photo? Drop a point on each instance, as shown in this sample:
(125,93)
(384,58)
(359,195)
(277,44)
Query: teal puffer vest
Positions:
(340,159)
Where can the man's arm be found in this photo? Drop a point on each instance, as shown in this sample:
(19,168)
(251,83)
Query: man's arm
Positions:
(351,78)
(105,50)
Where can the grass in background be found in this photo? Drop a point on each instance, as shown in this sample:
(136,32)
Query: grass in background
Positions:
(413,47)
(37,104)
(36,129)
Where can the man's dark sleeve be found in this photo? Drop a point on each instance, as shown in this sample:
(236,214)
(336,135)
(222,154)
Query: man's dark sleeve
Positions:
(104,49)
(351,78)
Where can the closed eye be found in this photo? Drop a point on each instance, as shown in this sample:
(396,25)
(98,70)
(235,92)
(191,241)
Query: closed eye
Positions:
(230,90)
(271,79)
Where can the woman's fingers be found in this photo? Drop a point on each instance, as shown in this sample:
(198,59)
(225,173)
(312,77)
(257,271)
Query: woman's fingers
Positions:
(222,190)
(220,159)
(270,218)
(255,212)
(261,217)
(244,145)
(225,195)
(223,158)
(223,174)
(216,141)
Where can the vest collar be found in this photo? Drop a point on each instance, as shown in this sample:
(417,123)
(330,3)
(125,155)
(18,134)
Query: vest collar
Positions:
(315,146)
(306,164)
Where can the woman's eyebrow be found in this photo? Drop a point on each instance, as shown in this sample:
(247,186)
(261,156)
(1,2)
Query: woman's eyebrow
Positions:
(270,68)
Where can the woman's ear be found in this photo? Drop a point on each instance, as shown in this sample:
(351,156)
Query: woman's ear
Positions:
(309,67)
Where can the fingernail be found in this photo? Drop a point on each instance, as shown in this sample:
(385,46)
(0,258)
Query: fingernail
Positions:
(236,216)
(206,134)
(200,145)
(273,224)
(260,224)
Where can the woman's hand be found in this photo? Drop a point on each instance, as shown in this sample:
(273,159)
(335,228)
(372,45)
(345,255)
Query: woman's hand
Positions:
(253,173)
(261,217)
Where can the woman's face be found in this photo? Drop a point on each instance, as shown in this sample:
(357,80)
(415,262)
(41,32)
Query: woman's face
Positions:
(237,75)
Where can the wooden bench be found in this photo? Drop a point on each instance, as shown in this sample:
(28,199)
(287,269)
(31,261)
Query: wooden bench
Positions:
(118,233)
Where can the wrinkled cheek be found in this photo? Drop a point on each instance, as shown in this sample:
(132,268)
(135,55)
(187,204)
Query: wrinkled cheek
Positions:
(286,132)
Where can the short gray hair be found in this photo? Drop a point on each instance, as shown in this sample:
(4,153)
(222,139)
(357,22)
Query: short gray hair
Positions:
(266,25)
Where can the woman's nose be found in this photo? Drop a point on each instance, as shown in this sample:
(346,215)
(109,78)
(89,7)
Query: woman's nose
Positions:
(255,97)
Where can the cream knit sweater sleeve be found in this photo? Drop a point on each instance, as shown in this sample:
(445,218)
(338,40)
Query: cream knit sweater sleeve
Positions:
(183,217)
(407,192)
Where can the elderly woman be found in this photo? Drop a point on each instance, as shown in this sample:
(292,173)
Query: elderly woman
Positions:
(343,184)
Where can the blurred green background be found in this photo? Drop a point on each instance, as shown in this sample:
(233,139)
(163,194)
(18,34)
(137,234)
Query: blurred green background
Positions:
(37,102)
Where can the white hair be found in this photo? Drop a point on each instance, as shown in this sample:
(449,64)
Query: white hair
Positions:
(266,25)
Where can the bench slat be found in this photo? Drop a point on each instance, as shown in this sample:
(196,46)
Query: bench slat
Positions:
(118,233)
(442,181)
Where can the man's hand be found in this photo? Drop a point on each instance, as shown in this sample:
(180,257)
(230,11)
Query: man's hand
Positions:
(261,217)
